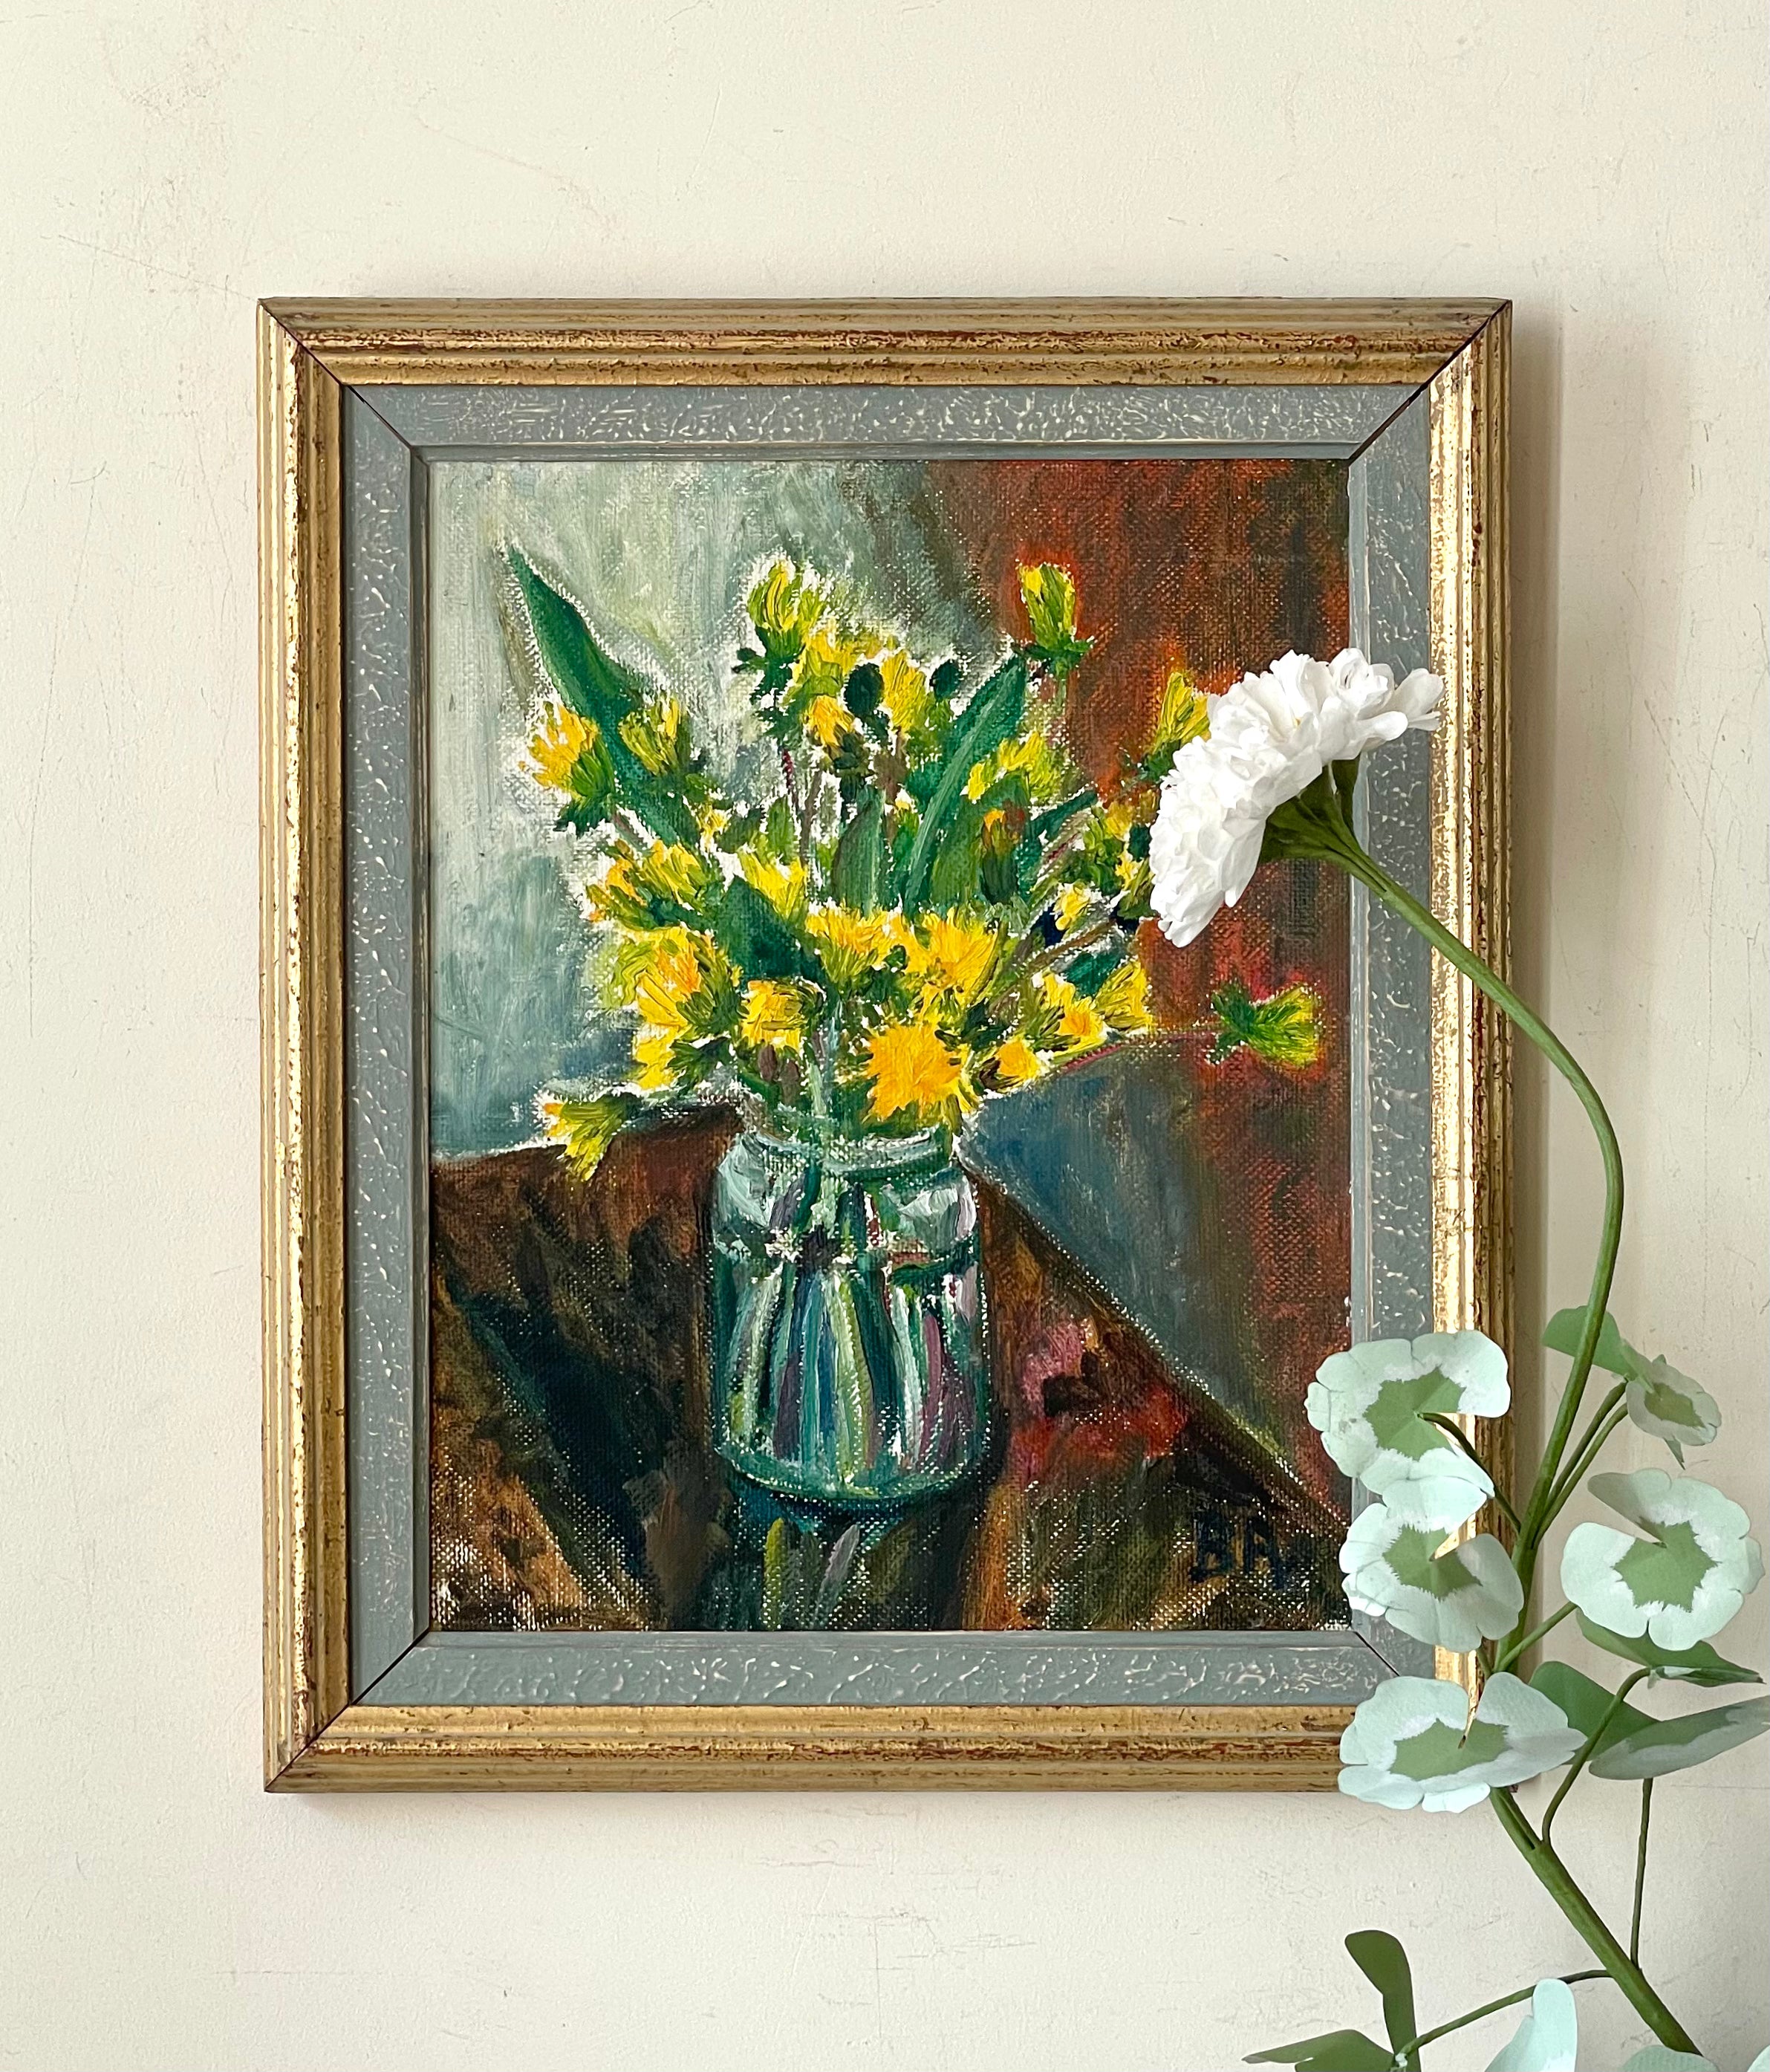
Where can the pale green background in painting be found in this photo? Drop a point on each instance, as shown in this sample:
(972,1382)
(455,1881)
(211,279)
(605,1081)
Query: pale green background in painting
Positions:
(661,554)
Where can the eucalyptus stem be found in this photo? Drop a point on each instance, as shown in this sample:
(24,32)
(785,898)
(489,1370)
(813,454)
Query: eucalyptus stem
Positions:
(1557,1880)
(1593,1740)
(1511,1653)
(1611,1414)
(1317,824)
(1493,2007)
(1454,1431)
(1328,825)
(1641,1873)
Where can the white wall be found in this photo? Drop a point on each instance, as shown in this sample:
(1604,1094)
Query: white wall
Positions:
(164,165)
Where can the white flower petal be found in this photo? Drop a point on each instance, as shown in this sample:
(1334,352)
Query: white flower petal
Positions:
(1270,737)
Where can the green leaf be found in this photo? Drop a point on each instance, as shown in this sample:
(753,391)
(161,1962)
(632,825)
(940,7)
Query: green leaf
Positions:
(1615,1354)
(863,690)
(598,689)
(1661,1746)
(1384,1961)
(755,938)
(1090,971)
(1340,2050)
(1043,826)
(857,870)
(1586,1703)
(1699,1665)
(993,714)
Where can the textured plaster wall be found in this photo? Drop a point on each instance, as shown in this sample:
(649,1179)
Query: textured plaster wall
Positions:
(161,166)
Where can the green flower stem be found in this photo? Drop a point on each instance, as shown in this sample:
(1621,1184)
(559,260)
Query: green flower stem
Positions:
(1492,2007)
(1453,1429)
(1065,946)
(1555,1879)
(1641,1873)
(1318,826)
(1530,1639)
(1610,1414)
(1594,1739)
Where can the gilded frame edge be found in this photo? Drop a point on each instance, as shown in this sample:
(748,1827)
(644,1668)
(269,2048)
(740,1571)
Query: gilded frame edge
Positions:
(313,1737)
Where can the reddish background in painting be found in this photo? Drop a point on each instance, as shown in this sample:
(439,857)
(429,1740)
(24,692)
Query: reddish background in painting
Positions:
(1221,566)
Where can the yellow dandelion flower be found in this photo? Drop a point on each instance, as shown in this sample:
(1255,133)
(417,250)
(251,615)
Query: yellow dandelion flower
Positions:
(1032,758)
(654,1070)
(1077,1025)
(584,1129)
(781,885)
(784,606)
(1124,998)
(908,703)
(659,736)
(829,722)
(851,944)
(657,971)
(824,662)
(912,1070)
(1017,1061)
(562,738)
(951,959)
(1120,820)
(1285,1028)
(672,872)
(774,1014)
(615,895)
(1072,902)
(1185,714)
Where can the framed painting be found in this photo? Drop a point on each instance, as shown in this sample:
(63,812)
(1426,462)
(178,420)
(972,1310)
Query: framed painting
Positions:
(777,1272)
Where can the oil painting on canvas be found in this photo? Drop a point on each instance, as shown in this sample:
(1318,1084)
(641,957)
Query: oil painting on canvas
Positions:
(846,1211)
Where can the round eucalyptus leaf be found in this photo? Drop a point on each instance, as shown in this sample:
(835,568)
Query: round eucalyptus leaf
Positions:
(1369,1405)
(1679,1584)
(1669,1405)
(1549,2035)
(1414,1742)
(1454,1595)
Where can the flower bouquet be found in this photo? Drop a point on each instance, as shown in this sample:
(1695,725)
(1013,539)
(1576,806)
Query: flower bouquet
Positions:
(916,902)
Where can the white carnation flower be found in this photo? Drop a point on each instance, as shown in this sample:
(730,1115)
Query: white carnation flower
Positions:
(1680,1585)
(1270,737)
(1413,1742)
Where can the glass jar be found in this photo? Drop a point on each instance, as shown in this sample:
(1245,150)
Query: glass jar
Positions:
(849,1356)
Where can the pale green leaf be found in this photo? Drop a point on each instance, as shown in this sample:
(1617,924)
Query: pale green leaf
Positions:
(1699,1665)
(1663,1746)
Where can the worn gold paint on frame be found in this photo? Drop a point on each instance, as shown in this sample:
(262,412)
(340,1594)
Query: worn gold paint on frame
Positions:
(313,1737)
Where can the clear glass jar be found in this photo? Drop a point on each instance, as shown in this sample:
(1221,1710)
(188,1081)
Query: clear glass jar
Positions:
(849,1354)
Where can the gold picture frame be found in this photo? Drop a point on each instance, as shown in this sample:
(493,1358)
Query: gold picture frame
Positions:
(310,355)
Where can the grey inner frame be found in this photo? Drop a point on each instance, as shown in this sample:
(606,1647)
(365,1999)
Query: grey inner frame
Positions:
(391,433)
